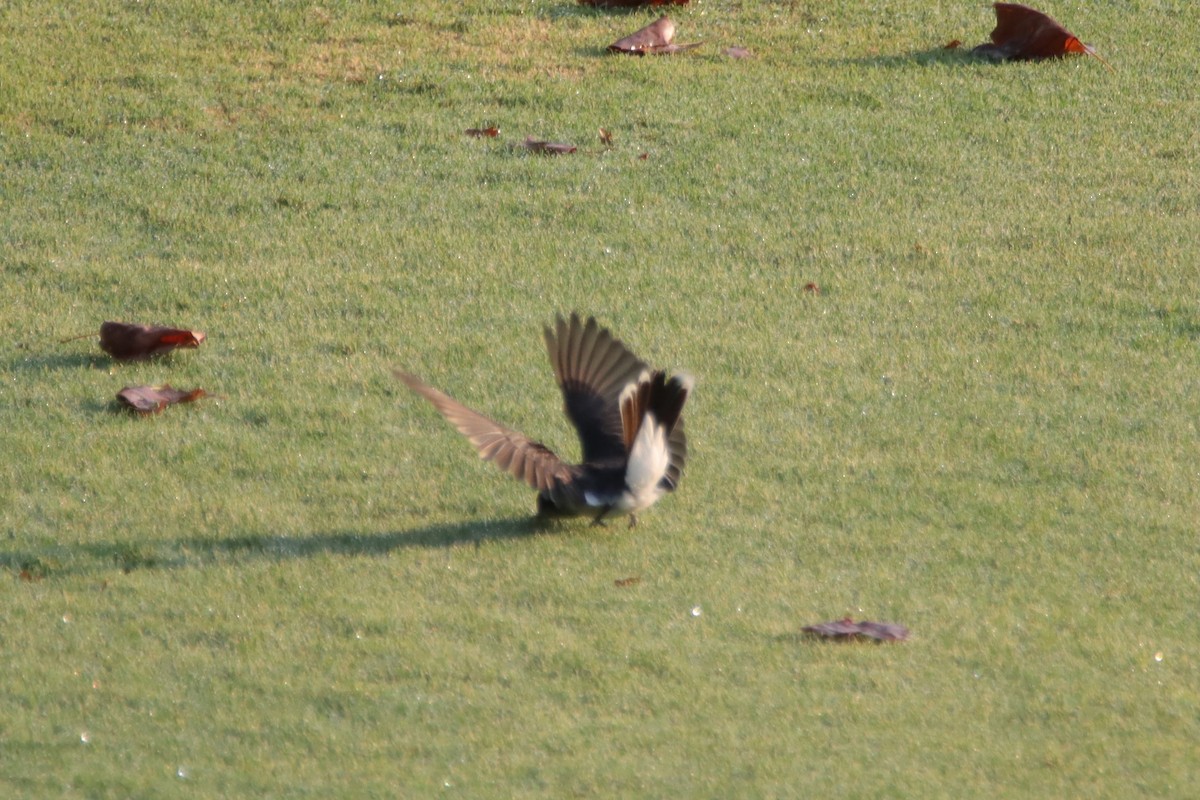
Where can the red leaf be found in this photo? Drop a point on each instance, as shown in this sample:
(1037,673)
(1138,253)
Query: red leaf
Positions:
(479,133)
(953,44)
(153,399)
(1024,34)
(123,340)
(812,287)
(849,629)
(547,148)
(656,39)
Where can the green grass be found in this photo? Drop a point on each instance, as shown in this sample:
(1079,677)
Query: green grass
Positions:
(983,427)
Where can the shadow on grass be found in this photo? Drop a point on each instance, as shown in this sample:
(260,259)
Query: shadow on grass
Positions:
(41,362)
(354,544)
(127,556)
(936,55)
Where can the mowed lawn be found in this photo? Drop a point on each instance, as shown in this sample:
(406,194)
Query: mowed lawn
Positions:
(981,424)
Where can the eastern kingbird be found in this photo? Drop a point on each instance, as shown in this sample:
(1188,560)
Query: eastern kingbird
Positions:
(628,418)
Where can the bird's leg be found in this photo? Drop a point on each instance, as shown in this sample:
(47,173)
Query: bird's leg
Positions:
(633,520)
(598,520)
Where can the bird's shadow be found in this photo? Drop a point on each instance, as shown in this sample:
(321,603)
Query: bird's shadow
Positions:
(128,556)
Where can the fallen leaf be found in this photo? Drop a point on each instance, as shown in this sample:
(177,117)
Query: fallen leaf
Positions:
(738,52)
(623,582)
(29,577)
(1025,34)
(656,39)
(631,3)
(849,629)
(547,148)
(606,137)
(644,156)
(480,133)
(812,287)
(123,340)
(153,399)
(953,44)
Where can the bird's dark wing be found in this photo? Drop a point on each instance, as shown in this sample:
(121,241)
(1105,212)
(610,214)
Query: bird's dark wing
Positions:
(513,452)
(592,368)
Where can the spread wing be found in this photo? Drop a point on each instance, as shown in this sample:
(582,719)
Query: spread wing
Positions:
(592,368)
(513,452)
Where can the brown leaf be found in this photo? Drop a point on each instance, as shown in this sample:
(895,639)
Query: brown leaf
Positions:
(953,44)
(479,133)
(123,340)
(547,148)
(153,399)
(606,137)
(631,3)
(1024,34)
(656,39)
(812,288)
(623,582)
(846,629)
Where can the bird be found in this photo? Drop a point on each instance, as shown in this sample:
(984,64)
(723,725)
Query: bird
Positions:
(629,419)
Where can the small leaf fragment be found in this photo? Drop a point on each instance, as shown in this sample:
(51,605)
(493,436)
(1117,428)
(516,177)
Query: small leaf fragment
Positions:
(623,582)
(631,3)
(847,629)
(153,399)
(606,137)
(480,133)
(657,38)
(547,148)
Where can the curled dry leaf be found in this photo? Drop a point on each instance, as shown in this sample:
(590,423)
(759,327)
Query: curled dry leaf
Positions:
(849,629)
(656,39)
(623,582)
(812,288)
(547,148)
(606,137)
(953,44)
(631,3)
(479,133)
(126,341)
(153,399)
(1025,34)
